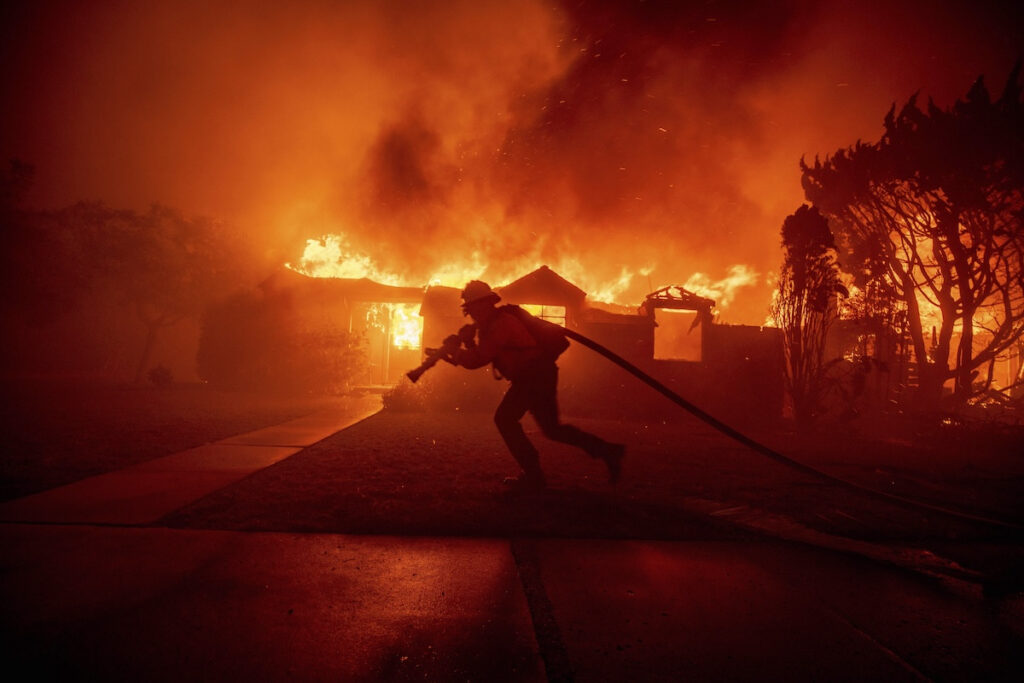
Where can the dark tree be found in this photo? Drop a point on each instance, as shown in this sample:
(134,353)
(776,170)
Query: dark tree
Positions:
(932,217)
(805,305)
(88,286)
(159,266)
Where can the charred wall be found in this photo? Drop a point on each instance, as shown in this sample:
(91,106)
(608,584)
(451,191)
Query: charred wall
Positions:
(740,378)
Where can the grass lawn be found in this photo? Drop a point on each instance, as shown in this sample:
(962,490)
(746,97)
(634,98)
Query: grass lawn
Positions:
(57,432)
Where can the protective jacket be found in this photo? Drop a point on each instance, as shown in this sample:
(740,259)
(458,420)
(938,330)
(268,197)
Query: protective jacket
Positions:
(504,341)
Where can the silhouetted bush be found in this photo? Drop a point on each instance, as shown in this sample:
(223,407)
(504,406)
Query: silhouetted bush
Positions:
(249,343)
(406,397)
(446,389)
(315,361)
(95,291)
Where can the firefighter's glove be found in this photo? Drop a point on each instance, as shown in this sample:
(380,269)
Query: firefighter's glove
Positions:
(467,335)
(451,344)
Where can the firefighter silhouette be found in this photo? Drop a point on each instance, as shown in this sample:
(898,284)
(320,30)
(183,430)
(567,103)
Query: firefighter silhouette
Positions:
(508,338)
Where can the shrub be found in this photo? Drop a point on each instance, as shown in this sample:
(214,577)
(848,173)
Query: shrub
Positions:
(406,397)
(250,343)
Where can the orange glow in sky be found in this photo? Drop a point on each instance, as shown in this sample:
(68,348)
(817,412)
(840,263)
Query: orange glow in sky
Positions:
(627,145)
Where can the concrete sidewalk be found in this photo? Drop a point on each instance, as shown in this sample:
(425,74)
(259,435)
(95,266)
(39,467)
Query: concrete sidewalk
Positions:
(131,604)
(146,492)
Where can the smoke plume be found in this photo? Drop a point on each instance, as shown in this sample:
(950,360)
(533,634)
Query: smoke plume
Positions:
(631,143)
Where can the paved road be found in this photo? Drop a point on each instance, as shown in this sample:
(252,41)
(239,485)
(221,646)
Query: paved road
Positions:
(128,604)
(92,591)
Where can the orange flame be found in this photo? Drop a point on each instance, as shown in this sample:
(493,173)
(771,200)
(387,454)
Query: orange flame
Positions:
(406,326)
(333,256)
(723,291)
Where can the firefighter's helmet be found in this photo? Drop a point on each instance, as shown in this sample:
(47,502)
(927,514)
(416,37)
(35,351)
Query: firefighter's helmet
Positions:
(478,290)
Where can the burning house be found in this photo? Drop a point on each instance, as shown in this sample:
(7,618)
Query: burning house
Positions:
(543,293)
(733,370)
(301,333)
(385,317)
(730,370)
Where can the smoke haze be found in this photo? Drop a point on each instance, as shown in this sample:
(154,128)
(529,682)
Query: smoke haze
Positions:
(659,137)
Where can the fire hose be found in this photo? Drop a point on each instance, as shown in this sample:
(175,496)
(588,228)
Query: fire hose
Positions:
(433,356)
(436,355)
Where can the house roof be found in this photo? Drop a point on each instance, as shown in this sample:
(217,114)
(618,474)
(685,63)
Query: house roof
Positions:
(351,289)
(543,286)
(677,297)
(599,316)
(441,301)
